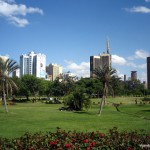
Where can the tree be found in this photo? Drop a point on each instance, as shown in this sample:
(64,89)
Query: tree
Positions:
(7,66)
(77,100)
(117,85)
(68,83)
(93,87)
(104,74)
(30,86)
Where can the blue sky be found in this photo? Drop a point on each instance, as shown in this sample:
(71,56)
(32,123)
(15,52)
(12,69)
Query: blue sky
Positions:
(68,32)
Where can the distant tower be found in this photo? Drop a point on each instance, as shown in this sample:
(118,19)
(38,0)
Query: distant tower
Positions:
(108,47)
(125,78)
(148,72)
(133,75)
(101,60)
(94,63)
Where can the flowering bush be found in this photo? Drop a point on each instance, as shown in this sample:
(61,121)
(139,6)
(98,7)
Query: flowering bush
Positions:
(73,140)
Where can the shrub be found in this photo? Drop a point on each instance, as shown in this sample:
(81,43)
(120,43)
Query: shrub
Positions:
(77,100)
(72,140)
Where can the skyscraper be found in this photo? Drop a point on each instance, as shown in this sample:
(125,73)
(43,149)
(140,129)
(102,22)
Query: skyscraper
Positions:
(33,64)
(148,72)
(54,70)
(94,63)
(100,61)
(133,75)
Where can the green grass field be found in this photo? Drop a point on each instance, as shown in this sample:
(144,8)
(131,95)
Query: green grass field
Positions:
(36,117)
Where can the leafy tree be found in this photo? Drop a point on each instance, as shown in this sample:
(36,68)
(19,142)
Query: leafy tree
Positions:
(7,66)
(77,100)
(134,87)
(18,83)
(43,87)
(62,85)
(104,74)
(30,86)
(91,86)
(57,88)
(68,83)
(117,85)
(49,90)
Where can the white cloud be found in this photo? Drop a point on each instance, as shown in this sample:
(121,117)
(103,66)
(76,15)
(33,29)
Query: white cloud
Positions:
(16,13)
(118,60)
(147,0)
(141,54)
(138,9)
(81,70)
(142,66)
(143,76)
(19,22)
(131,64)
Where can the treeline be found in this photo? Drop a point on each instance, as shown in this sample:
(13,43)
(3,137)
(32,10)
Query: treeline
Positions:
(30,85)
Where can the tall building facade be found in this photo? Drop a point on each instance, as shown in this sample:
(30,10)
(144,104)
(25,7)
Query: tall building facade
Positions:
(33,64)
(133,75)
(16,73)
(148,72)
(100,61)
(94,63)
(54,70)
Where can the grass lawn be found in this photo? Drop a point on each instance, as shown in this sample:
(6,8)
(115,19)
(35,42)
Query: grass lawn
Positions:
(35,117)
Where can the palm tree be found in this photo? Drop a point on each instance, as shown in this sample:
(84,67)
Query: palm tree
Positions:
(7,66)
(104,74)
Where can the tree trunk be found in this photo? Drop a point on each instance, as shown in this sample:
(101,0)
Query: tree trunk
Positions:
(4,98)
(101,105)
(103,101)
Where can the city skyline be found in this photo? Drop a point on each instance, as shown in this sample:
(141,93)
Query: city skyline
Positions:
(68,32)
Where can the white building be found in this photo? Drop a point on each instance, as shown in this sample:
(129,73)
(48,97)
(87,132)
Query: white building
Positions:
(54,70)
(16,73)
(33,64)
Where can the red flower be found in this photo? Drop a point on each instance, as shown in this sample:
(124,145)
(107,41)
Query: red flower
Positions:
(129,148)
(68,145)
(88,148)
(102,135)
(54,143)
(93,144)
(86,141)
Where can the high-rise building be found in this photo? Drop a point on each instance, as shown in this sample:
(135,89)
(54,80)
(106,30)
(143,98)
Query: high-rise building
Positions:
(33,64)
(148,72)
(100,61)
(125,78)
(54,70)
(133,75)
(94,63)
(16,73)
(105,59)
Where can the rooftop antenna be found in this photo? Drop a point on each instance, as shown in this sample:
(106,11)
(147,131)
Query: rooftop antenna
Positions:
(108,47)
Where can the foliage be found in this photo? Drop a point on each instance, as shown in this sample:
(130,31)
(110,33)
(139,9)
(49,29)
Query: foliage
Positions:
(77,100)
(90,86)
(63,86)
(105,74)
(7,67)
(73,140)
(30,84)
